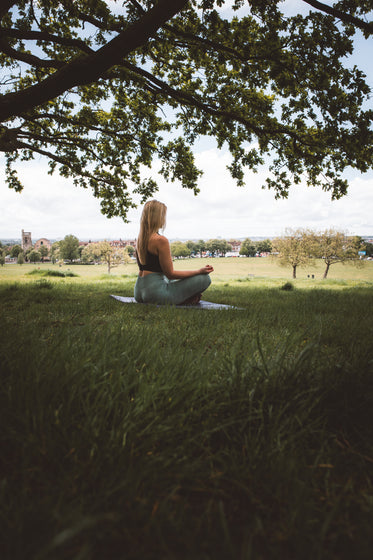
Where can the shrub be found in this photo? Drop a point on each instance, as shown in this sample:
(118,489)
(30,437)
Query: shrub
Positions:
(287,286)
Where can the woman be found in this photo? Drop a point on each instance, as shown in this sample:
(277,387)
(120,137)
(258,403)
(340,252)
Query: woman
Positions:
(158,282)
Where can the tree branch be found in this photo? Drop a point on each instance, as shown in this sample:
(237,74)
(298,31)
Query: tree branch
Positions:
(43,35)
(189,99)
(87,68)
(57,159)
(5,7)
(346,18)
(28,58)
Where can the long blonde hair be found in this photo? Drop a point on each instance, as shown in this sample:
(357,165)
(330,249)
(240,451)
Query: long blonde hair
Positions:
(153,218)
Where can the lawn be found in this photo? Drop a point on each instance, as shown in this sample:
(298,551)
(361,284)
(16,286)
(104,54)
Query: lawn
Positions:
(137,432)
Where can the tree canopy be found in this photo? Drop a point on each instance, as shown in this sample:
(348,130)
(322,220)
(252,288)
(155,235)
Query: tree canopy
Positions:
(103,89)
(296,248)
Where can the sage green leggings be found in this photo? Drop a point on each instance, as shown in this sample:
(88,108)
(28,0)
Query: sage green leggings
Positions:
(157,288)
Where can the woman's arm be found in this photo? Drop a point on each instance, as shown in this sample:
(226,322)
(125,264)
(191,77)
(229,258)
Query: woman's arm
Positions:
(165,259)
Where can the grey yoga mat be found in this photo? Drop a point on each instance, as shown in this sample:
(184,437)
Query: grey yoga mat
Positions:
(201,305)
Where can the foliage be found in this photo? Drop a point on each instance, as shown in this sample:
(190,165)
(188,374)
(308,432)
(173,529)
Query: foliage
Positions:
(145,432)
(2,257)
(335,246)
(248,248)
(287,287)
(20,258)
(34,256)
(130,250)
(218,247)
(53,273)
(201,246)
(104,252)
(264,246)
(55,252)
(179,249)
(43,250)
(15,251)
(193,247)
(68,248)
(121,86)
(368,248)
(296,248)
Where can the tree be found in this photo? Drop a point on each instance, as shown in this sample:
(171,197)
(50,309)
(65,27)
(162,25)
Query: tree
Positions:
(55,252)
(129,250)
(213,246)
(368,248)
(336,247)
(225,247)
(43,250)
(201,247)
(248,249)
(2,256)
(104,252)
(34,256)
(264,246)
(69,248)
(193,247)
(296,248)
(15,251)
(179,249)
(20,258)
(125,84)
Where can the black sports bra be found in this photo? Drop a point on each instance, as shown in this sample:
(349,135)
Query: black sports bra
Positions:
(152,263)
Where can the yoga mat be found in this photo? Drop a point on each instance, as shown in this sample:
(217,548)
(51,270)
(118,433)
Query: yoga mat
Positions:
(201,305)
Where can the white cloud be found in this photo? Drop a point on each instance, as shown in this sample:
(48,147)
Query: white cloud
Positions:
(52,207)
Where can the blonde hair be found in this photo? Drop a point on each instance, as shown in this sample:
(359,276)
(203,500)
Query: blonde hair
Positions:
(153,218)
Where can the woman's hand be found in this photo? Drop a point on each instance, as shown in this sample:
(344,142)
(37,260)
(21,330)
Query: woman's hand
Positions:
(206,269)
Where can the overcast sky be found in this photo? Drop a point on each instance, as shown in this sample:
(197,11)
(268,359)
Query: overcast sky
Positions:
(52,207)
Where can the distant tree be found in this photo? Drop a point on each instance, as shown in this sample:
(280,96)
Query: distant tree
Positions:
(2,257)
(20,258)
(218,246)
(336,247)
(104,252)
(248,248)
(294,249)
(179,249)
(55,252)
(201,246)
(225,247)
(69,248)
(368,248)
(264,246)
(15,251)
(193,247)
(364,246)
(44,252)
(34,256)
(129,250)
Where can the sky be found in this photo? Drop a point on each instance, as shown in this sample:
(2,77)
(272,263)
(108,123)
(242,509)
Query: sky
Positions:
(52,207)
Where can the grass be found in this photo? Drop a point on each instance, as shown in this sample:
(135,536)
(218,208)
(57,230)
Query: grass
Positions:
(139,432)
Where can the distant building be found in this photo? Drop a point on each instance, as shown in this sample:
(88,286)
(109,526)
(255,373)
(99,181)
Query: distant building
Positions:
(43,242)
(26,240)
(123,243)
(236,246)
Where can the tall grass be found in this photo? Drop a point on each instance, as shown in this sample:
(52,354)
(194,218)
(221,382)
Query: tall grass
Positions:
(139,432)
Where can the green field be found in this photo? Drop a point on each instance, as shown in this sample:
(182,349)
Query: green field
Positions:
(226,269)
(143,432)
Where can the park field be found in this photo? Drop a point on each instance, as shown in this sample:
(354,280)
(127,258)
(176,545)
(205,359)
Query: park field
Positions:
(137,432)
(260,270)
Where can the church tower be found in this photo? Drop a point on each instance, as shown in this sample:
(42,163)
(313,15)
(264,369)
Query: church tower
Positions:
(26,240)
